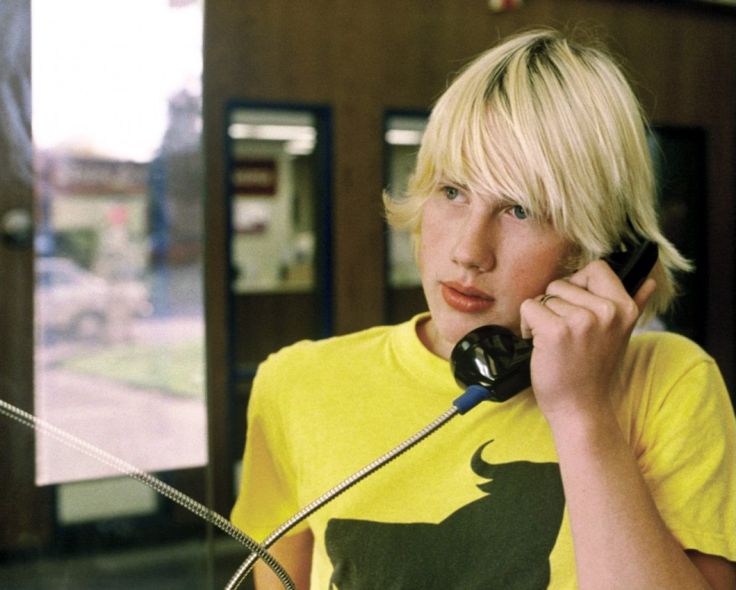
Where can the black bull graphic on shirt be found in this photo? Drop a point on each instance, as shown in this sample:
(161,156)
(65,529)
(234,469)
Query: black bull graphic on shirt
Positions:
(502,540)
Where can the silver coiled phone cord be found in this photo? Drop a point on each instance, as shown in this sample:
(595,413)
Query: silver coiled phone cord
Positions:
(156,484)
(245,568)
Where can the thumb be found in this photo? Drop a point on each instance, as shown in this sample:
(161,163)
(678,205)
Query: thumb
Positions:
(645,293)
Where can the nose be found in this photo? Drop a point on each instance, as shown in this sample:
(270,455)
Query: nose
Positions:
(474,247)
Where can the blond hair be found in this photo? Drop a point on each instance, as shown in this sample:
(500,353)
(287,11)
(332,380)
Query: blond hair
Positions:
(555,127)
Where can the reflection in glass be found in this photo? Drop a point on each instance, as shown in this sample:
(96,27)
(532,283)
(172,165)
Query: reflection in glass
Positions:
(117,128)
(272,185)
(403,136)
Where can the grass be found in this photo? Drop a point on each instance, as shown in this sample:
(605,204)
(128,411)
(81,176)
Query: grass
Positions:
(173,369)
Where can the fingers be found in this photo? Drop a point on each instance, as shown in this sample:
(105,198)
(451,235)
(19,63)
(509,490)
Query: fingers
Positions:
(594,292)
(581,306)
(538,310)
(548,310)
(596,284)
(596,278)
(580,328)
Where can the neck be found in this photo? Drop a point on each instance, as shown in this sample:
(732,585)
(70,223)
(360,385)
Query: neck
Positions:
(431,339)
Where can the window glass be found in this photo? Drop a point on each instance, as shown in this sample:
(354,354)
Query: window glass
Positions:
(119,332)
(272,185)
(403,136)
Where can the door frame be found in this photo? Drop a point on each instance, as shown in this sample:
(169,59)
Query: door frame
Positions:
(28,513)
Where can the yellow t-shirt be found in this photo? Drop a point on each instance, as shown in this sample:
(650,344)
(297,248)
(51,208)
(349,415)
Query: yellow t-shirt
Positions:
(479,504)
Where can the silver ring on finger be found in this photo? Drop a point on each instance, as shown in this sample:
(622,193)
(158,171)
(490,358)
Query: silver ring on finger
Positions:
(546,297)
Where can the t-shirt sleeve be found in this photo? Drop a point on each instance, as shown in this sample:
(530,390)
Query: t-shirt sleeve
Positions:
(689,451)
(267,494)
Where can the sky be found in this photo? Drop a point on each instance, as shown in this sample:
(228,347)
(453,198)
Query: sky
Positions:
(103,70)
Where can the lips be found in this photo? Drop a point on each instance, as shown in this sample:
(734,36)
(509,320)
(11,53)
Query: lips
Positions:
(465,298)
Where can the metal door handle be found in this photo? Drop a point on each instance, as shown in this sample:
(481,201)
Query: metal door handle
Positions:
(16,228)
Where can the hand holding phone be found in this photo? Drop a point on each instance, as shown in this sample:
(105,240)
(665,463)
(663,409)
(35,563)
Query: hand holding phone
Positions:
(499,361)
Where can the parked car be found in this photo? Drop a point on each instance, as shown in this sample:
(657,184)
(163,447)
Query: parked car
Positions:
(76,303)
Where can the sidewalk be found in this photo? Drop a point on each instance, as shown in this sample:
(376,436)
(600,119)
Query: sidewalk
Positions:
(150,429)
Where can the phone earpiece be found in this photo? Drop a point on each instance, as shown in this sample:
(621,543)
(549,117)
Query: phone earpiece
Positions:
(634,264)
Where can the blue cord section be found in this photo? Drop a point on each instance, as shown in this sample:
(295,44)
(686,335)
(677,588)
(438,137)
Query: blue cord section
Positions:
(471,397)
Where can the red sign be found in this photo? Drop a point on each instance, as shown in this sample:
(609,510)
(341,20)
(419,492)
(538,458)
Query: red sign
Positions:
(254,177)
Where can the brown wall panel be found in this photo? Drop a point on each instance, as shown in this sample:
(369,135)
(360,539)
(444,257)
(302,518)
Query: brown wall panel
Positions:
(281,319)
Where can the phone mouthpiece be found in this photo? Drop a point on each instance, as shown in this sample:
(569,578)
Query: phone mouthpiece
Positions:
(494,358)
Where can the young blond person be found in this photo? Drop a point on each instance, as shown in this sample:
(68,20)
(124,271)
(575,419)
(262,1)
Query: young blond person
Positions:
(616,469)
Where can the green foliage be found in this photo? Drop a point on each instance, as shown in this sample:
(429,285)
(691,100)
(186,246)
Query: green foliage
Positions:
(79,244)
(172,369)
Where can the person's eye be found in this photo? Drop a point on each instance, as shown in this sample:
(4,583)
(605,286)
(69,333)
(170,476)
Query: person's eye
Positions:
(451,192)
(519,212)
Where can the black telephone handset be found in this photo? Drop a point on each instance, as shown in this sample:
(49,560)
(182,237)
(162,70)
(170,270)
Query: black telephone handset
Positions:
(498,360)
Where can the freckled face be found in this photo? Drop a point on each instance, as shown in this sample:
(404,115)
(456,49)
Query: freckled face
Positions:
(480,257)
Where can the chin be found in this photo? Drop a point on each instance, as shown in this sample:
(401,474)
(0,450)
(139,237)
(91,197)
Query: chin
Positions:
(453,329)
